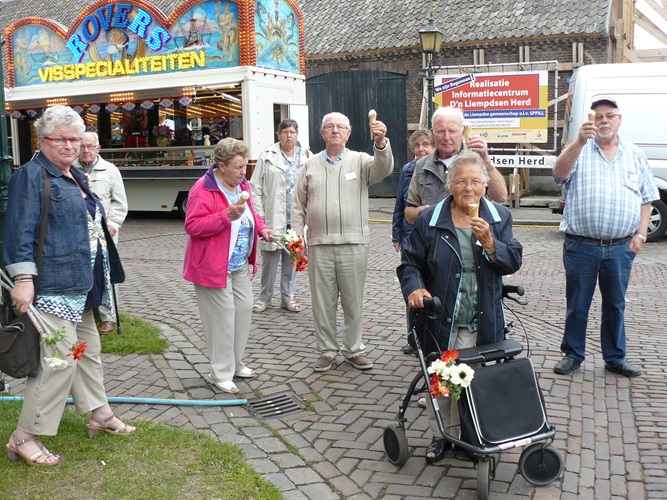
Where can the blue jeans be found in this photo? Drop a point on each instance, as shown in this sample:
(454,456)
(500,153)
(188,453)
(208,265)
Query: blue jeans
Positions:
(585,263)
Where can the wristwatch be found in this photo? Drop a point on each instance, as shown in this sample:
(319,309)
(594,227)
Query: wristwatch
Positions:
(641,237)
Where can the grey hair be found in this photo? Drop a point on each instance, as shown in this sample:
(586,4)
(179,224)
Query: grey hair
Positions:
(228,148)
(59,116)
(345,119)
(95,136)
(287,123)
(448,111)
(417,136)
(466,157)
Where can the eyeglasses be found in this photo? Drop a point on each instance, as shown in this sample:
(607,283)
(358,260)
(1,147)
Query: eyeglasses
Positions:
(425,144)
(89,146)
(61,141)
(609,117)
(442,131)
(462,183)
(288,132)
(331,126)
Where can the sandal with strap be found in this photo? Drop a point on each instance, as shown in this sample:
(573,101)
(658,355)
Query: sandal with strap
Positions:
(291,305)
(123,430)
(39,459)
(260,306)
(438,447)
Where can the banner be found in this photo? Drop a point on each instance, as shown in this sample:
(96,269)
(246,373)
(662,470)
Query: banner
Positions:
(501,107)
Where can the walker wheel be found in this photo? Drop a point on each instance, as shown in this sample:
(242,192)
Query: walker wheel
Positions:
(395,444)
(540,464)
(484,478)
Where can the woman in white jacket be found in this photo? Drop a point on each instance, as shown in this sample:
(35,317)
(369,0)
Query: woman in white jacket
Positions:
(272,184)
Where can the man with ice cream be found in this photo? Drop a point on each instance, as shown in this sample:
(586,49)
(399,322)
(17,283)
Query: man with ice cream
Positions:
(331,198)
(608,189)
(428,181)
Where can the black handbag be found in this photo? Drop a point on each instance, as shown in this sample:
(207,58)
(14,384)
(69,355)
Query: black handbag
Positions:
(19,336)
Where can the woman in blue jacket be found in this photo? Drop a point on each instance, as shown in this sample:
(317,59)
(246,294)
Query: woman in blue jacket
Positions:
(459,257)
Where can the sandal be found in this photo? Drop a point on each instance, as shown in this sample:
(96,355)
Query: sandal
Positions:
(291,305)
(123,430)
(228,387)
(260,306)
(245,373)
(39,459)
(438,447)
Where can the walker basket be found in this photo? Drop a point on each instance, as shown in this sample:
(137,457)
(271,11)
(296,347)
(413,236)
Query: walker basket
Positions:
(503,403)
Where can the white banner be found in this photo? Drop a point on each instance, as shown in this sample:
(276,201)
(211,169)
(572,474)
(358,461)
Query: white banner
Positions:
(523,161)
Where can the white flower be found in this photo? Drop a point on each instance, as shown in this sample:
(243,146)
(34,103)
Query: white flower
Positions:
(291,236)
(462,375)
(438,366)
(56,363)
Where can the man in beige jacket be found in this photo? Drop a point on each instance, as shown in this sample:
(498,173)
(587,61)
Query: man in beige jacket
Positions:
(331,199)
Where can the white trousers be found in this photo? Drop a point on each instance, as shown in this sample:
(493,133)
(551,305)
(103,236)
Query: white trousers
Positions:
(270,260)
(226,316)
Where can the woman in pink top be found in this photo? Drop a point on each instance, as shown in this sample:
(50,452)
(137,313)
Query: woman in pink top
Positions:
(222,232)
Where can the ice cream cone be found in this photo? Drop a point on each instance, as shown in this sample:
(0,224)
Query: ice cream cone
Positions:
(591,116)
(473,209)
(467,131)
(244,196)
(372,115)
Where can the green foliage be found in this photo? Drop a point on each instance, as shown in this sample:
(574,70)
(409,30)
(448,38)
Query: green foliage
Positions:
(138,337)
(156,462)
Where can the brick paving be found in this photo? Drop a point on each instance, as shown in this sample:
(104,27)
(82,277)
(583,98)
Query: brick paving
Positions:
(610,430)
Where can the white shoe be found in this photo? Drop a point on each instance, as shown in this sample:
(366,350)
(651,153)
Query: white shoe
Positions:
(421,402)
(245,373)
(228,387)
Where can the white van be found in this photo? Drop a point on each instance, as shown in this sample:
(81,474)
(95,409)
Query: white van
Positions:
(640,89)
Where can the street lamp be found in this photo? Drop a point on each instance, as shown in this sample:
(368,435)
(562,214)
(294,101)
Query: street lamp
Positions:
(430,39)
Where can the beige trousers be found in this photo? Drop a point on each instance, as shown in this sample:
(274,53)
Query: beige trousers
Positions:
(226,315)
(45,395)
(449,410)
(338,271)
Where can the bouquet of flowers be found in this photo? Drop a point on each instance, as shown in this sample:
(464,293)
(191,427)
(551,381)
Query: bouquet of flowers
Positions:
(449,378)
(294,245)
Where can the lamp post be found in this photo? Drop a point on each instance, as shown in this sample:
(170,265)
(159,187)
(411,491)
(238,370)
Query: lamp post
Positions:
(430,39)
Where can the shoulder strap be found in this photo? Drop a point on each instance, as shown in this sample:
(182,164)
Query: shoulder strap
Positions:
(42,228)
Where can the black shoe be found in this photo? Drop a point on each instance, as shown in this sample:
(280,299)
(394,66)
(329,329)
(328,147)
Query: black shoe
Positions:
(624,368)
(438,447)
(566,366)
(408,349)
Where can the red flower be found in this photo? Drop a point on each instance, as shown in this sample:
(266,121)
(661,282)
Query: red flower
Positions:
(301,263)
(436,389)
(449,356)
(77,352)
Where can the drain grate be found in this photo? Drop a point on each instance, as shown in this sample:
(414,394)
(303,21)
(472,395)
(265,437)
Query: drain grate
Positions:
(285,404)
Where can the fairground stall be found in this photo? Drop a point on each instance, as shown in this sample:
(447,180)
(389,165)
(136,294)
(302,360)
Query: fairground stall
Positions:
(161,89)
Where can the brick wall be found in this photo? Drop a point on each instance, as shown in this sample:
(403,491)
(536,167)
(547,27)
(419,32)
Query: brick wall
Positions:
(409,64)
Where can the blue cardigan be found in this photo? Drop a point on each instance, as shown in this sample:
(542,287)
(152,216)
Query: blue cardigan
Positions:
(432,260)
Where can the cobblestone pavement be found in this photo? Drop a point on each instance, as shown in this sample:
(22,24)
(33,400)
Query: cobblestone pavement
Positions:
(610,430)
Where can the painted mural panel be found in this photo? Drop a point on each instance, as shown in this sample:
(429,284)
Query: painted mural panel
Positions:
(121,39)
(277,35)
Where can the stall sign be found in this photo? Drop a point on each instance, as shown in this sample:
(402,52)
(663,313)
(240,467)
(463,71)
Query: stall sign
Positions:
(135,38)
(501,107)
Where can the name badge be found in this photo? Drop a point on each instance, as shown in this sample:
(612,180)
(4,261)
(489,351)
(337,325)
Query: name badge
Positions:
(350,176)
(633,177)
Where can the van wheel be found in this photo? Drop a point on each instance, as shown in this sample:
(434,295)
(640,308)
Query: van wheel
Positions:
(657,224)
(182,205)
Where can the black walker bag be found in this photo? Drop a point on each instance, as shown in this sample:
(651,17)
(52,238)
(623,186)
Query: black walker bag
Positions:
(503,403)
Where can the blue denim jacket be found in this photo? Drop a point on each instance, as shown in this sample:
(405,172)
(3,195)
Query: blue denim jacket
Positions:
(66,267)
